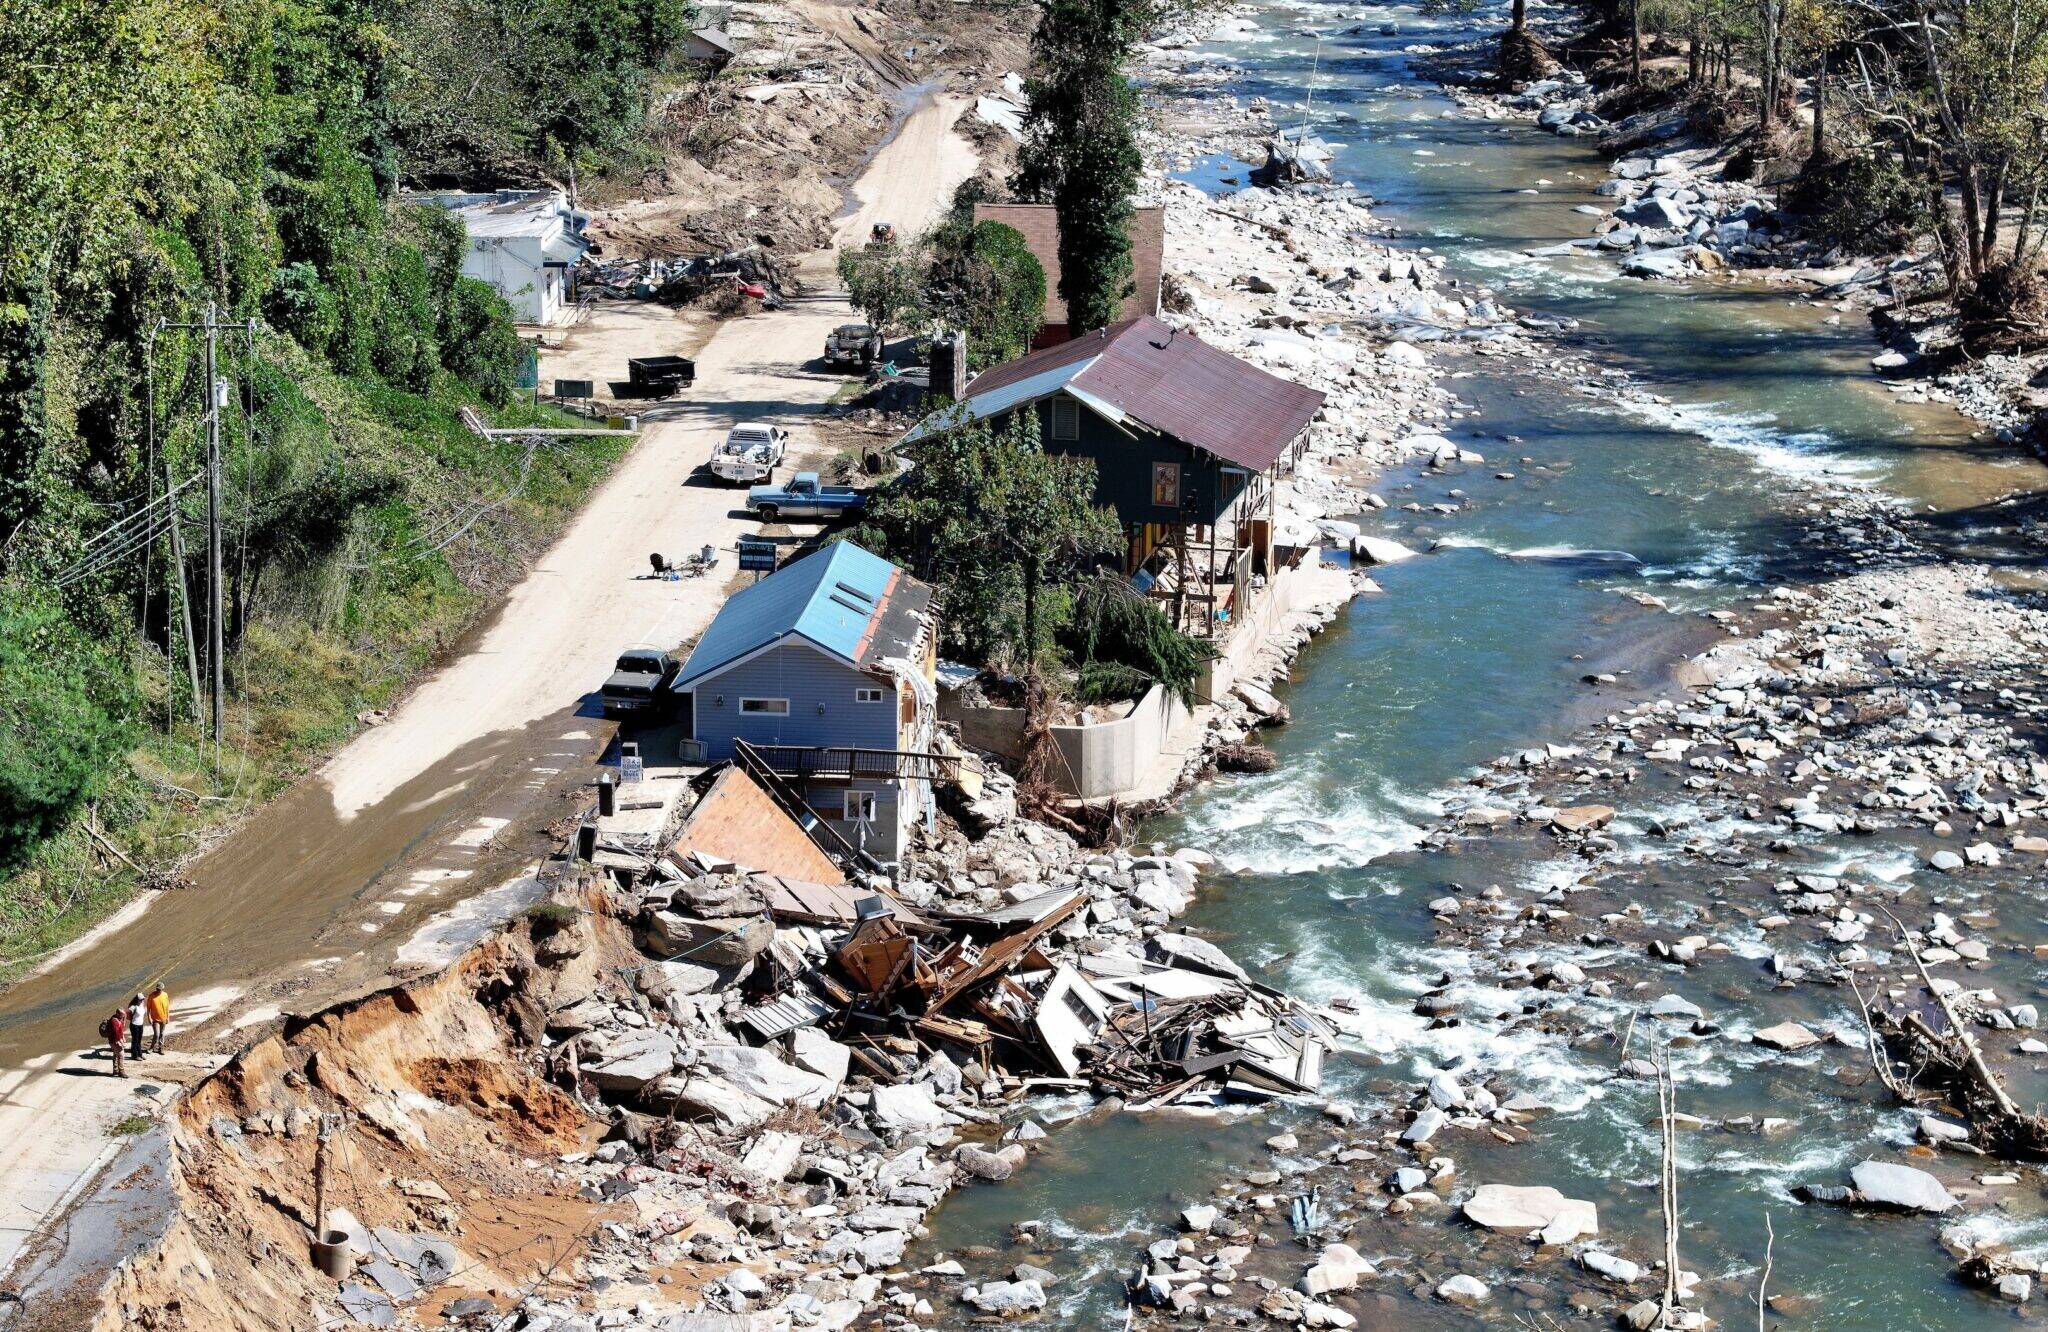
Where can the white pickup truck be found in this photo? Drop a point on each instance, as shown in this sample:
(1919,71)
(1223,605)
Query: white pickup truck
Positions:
(750,454)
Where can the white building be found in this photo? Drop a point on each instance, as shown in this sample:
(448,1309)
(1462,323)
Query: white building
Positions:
(524,243)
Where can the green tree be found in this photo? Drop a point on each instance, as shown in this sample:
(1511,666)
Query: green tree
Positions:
(885,282)
(1081,150)
(1003,527)
(65,701)
(983,278)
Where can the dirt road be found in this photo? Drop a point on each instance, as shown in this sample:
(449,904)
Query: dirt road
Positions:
(312,898)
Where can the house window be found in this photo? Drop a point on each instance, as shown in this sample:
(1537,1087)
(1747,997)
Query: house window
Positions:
(866,695)
(1166,485)
(765,707)
(1066,419)
(859,806)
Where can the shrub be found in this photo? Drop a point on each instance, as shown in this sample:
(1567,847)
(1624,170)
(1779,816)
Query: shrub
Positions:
(1861,202)
(65,705)
(301,306)
(481,347)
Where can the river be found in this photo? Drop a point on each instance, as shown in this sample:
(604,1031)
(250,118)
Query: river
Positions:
(1478,649)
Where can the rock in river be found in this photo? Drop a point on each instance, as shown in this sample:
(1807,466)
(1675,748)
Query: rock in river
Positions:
(1786,1036)
(1519,1210)
(1885,1184)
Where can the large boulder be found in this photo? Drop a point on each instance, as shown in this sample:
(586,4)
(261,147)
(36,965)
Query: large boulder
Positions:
(1379,550)
(759,1072)
(1886,1184)
(704,1096)
(907,1108)
(1656,210)
(1200,954)
(630,1060)
(1007,1297)
(1582,818)
(1338,1267)
(1522,1209)
(717,941)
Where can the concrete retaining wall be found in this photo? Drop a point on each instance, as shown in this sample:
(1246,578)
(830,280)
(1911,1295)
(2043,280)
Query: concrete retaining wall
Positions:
(1112,757)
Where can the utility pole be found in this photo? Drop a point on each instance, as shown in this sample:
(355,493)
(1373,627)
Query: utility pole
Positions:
(216,398)
(184,602)
(215,638)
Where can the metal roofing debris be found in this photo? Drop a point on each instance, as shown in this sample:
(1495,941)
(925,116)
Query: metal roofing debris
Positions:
(784,1014)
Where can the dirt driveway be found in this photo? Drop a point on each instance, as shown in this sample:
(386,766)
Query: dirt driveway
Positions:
(311,899)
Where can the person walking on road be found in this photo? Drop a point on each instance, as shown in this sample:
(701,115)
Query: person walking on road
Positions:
(136,1007)
(159,1010)
(115,1030)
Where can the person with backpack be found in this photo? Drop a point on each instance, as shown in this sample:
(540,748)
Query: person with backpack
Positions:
(135,1027)
(114,1031)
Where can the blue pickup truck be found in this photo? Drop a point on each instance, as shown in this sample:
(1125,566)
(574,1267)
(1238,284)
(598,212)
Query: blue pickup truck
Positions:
(803,497)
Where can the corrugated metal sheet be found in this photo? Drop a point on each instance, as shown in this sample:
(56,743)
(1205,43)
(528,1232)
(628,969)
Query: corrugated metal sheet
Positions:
(832,597)
(798,1008)
(1170,381)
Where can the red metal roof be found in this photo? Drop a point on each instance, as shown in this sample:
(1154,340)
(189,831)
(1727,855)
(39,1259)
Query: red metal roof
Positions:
(1173,382)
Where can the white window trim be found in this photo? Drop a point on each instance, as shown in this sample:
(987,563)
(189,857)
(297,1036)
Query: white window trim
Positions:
(780,710)
(850,803)
(867,694)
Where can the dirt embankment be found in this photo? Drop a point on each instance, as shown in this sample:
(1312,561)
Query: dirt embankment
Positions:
(760,153)
(443,1168)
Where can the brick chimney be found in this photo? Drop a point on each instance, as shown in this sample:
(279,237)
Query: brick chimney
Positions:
(949,365)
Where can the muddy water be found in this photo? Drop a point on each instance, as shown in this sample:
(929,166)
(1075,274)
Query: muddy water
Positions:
(289,897)
(1479,649)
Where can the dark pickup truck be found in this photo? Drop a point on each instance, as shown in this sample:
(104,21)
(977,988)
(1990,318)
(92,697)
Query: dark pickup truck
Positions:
(661,376)
(638,683)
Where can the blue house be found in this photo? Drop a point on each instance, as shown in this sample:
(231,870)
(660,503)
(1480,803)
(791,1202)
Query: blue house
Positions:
(823,673)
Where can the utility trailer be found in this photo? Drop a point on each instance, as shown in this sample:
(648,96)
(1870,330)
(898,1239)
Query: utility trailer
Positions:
(661,376)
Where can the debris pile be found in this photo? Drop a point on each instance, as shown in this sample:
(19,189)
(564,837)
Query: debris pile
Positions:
(682,280)
(1000,988)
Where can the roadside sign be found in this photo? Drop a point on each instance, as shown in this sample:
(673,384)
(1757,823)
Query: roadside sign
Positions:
(757,555)
(575,388)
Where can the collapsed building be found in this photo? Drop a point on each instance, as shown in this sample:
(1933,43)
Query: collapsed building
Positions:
(713,1077)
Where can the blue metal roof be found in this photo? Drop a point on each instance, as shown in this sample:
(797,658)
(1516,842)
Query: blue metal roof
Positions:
(830,597)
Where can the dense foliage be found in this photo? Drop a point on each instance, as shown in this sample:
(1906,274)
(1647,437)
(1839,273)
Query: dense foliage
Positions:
(1080,150)
(1007,530)
(66,704)
(982,277)
(158,157)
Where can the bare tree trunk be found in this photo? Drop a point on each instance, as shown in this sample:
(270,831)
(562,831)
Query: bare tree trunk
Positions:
(1692,54)
(1635,41)
(1767,116)
(1520,19)
(1994,210)
(2023,243)
(1819,153)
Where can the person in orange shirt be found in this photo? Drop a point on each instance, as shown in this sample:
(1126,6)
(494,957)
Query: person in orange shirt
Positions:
(159,1010)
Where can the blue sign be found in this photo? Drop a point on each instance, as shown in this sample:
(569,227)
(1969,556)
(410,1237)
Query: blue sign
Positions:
(757,555)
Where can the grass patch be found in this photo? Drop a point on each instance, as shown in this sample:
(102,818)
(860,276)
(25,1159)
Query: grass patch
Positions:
(132,1125)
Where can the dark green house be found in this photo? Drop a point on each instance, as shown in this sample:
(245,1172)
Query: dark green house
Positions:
(1187,442)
